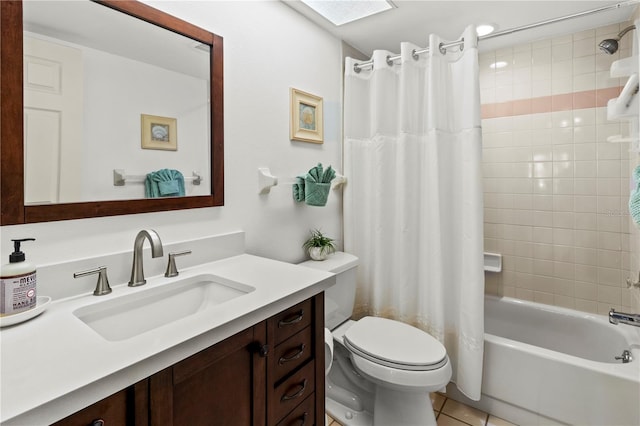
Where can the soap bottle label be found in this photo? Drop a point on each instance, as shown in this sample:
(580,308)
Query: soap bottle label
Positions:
(17,293)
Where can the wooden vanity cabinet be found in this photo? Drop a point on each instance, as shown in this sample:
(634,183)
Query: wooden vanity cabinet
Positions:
(127,407)
(295,369)
(221,385)
(269,374)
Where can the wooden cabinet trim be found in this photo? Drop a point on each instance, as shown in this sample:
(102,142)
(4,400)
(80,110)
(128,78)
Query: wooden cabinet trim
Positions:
(318,321)
(161,398)
(140,410)
(260,378)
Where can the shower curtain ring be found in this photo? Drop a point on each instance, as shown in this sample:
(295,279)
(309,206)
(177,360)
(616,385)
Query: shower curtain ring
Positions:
(389,61)
(414,55)
(443,50)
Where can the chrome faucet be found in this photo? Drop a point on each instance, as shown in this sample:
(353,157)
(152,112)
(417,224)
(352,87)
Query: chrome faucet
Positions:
(137,273)
(621,317)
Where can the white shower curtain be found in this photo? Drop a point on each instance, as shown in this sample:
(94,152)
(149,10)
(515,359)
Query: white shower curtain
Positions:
(413,205)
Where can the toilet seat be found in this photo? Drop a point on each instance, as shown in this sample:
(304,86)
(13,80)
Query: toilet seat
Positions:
(395,345)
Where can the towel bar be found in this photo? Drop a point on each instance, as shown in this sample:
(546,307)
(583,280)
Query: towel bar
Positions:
(120,178)
(266,180)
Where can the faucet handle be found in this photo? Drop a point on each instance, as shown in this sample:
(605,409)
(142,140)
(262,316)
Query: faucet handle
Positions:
(102,286)
(172,270)
(631,284)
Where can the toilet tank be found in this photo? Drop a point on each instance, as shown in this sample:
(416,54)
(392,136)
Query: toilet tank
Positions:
(339,298)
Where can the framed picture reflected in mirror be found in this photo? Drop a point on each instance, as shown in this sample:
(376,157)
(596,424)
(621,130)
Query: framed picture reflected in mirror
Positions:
(159,132)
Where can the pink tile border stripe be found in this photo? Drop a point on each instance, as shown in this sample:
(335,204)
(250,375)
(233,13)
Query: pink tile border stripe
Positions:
(568,101)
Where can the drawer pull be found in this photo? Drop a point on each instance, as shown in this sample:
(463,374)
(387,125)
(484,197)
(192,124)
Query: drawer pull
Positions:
(97,422)
(294,319)
(297,394)
(298,354)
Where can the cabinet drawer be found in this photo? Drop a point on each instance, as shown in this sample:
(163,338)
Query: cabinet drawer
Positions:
(292,392)
(292,353)
(290,321)
(302,415)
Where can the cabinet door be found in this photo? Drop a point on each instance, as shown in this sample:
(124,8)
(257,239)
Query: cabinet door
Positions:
(110,411)
(222,385)
(127,407)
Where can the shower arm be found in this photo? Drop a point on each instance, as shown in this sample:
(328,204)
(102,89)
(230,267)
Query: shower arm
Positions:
(626,30)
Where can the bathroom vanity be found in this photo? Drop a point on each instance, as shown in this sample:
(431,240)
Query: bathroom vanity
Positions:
(237,340)
(271,373)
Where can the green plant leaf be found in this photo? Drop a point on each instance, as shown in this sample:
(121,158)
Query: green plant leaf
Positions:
(318,239)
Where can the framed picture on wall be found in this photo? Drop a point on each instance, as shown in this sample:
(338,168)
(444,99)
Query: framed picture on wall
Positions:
(159,132)
(306,123)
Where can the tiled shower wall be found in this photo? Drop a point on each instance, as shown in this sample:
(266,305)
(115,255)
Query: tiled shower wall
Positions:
(555,191)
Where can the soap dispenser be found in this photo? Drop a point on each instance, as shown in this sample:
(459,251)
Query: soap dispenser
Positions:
(17,282)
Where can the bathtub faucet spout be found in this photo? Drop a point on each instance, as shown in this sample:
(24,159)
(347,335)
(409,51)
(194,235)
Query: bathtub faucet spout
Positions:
(621,317)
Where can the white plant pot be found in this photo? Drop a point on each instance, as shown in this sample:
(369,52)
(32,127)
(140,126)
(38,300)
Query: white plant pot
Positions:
(316,253)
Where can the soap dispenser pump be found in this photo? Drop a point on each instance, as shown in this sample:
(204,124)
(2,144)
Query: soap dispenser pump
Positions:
(17,282)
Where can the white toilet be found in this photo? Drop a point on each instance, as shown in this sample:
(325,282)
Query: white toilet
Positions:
(382,370)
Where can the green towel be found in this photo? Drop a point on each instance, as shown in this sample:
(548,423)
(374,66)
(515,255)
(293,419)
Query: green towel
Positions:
(328,175)
(317,184)
(316,193)
(634,199)
(298,189)
(164,183)
(316,174)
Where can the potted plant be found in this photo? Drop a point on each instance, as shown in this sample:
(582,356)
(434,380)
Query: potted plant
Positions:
(319,246)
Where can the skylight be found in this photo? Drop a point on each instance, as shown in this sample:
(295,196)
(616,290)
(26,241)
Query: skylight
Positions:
(484,29)
(345,11)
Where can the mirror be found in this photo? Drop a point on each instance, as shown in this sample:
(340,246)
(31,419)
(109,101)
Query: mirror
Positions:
(92,77)
(107,137)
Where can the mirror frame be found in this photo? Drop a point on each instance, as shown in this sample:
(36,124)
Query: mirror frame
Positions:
(13,210)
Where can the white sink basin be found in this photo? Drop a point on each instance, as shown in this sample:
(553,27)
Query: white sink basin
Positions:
(128,316)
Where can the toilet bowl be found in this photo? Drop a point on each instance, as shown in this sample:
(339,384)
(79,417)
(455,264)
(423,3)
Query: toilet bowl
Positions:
(400,371)
(328,350)
(382,370)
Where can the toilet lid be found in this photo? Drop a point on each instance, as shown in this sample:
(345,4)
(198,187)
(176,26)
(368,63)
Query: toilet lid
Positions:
(395,344)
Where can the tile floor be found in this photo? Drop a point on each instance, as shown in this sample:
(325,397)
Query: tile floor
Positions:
(454,413)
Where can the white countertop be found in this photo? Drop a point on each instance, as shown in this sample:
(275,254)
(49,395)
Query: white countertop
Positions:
(54,365)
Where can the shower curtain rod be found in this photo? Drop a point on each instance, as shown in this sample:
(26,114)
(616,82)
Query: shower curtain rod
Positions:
(444,46)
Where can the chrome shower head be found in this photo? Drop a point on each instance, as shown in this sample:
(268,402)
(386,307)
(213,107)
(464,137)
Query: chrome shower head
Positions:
(610,45)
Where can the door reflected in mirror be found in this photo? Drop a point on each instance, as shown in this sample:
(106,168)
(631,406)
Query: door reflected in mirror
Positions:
(91,75)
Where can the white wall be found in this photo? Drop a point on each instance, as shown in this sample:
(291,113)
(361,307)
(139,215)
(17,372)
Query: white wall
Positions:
(267,49)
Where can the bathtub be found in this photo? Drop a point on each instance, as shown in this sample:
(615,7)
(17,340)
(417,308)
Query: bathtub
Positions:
(548,365)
